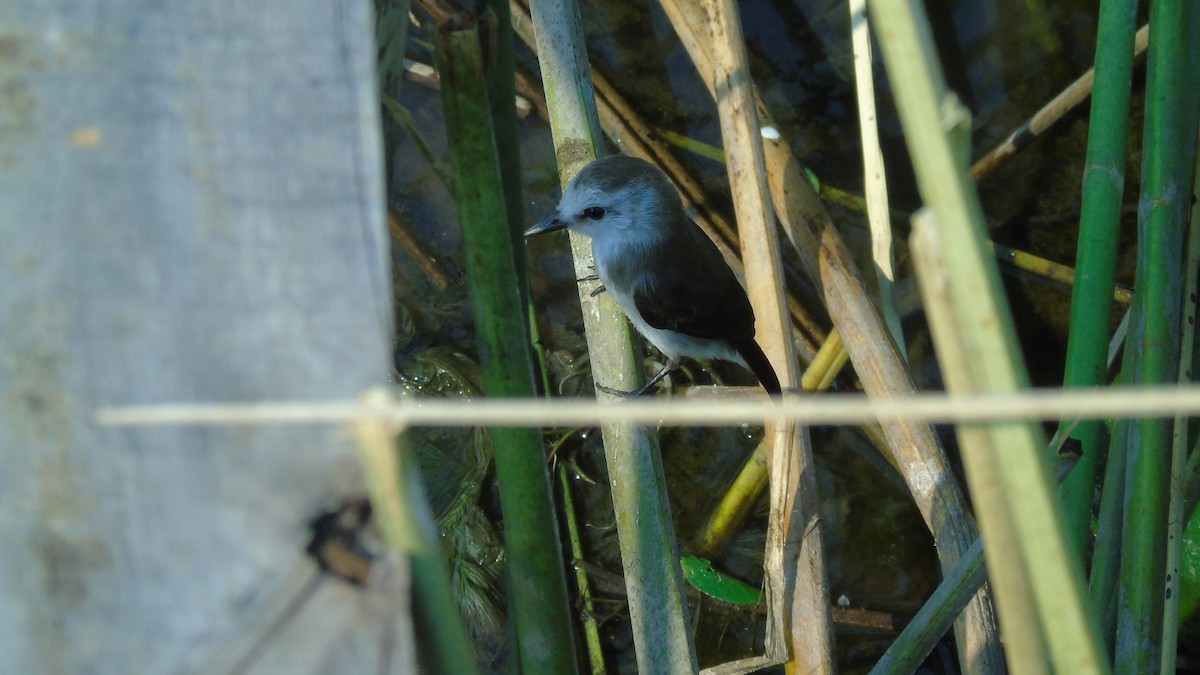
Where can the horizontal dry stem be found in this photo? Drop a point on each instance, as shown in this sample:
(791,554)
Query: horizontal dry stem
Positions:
(938,408)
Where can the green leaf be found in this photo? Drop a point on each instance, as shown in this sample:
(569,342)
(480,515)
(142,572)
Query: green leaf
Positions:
(708,580)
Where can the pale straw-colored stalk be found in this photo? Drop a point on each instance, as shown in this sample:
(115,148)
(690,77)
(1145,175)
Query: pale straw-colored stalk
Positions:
(834,409)
(1023,644)
(874,173)
(649,554)
(977,345)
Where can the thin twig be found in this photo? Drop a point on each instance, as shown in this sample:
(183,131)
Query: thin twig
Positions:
(417,251)
(1067,100)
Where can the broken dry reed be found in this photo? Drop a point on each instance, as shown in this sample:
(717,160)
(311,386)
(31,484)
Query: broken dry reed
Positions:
(1067,100)
(800,629)
(874,172)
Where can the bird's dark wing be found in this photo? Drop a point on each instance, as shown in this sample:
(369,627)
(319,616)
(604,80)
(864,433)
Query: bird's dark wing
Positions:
(710,305)
(704,309)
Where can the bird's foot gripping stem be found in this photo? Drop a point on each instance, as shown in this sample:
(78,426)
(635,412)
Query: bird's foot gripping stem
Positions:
(667,369)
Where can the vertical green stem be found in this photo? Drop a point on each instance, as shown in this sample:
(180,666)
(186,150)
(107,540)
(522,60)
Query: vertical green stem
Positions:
(1106,564)
(537,586)
(502,93)
(591,627)
(1096,259)
(501,82)
(1177,518)
(391,38)
(1153,347)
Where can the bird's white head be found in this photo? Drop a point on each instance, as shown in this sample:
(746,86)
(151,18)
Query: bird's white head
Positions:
(615,200)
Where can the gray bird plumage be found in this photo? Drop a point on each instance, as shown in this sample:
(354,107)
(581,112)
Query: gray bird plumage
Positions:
(661,269)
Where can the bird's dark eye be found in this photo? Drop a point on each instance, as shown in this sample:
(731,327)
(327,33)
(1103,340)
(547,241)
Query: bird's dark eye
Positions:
(594,212)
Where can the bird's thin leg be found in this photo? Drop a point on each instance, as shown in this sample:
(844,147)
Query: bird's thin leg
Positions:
(671,366)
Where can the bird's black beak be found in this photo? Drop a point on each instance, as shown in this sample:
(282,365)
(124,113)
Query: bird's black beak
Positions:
(550,223)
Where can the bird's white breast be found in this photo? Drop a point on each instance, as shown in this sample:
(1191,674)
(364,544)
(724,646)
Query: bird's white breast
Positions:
(671,343)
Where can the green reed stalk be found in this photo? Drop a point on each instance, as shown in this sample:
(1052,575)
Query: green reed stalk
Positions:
(591,627)
(1152,349)
(1106,563)
(537,595)
(1178,518)
(501,81)
(391,40)
(1096,257)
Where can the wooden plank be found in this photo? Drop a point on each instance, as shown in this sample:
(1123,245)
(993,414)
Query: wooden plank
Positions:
(190,210)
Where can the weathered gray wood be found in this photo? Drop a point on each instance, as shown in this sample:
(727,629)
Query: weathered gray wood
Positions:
(190,210)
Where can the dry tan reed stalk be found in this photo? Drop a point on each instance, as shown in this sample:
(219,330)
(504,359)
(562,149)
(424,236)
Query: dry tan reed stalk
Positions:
(794,527)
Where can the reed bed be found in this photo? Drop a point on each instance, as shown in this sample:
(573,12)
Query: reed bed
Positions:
(1072,597)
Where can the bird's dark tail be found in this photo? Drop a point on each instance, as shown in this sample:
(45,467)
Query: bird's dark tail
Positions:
(758,363)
